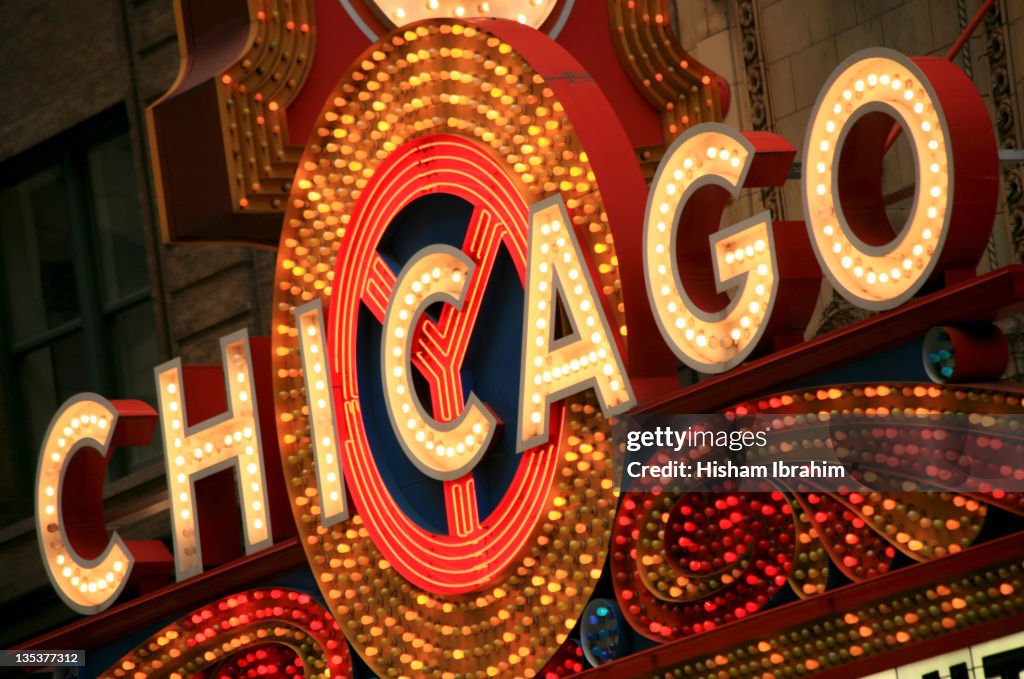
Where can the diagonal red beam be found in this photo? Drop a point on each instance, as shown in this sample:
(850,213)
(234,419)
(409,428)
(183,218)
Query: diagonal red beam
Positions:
(958,45)
(989,297)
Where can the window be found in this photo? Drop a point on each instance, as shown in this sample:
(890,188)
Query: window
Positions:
(76,310)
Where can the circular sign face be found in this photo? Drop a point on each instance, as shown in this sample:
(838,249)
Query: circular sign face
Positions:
(436,144)
(474,550)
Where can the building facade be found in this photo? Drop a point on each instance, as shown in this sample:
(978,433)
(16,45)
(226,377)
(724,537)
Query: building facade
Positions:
(94,296)
(117,300)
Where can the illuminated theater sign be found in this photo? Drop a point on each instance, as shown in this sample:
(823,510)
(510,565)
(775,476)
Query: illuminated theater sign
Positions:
(472,278)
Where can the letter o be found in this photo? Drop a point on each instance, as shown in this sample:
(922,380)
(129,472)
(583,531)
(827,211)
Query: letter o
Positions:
(947,124)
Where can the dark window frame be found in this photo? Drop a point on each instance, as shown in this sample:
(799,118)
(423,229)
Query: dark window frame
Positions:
(69,152)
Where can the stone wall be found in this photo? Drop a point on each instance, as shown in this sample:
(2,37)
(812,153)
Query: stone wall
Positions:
(125,53)
(796,44)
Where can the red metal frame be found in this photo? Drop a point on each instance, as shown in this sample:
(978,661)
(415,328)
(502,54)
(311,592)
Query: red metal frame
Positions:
(984,298)
(82,511)
(990,297)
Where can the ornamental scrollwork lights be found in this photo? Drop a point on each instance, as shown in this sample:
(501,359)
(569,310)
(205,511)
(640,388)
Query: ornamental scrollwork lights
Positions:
(688,563)
(287,630)
(224,156)
(247,60)
(685,91)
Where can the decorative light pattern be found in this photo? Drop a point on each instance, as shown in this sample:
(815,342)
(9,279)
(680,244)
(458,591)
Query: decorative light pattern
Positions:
(323,428)
(945,120)
(586,356)
(402,12)
(939,355)
(453,108)
(567,662)
(251,95)
(261,661)
(256,91)
(710,155)
(275,623)
(88,583)
(192,452)
(603,633)
(682,88)
(257,85)
(451,449)
(861,623)
(684,564)
(975,352)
